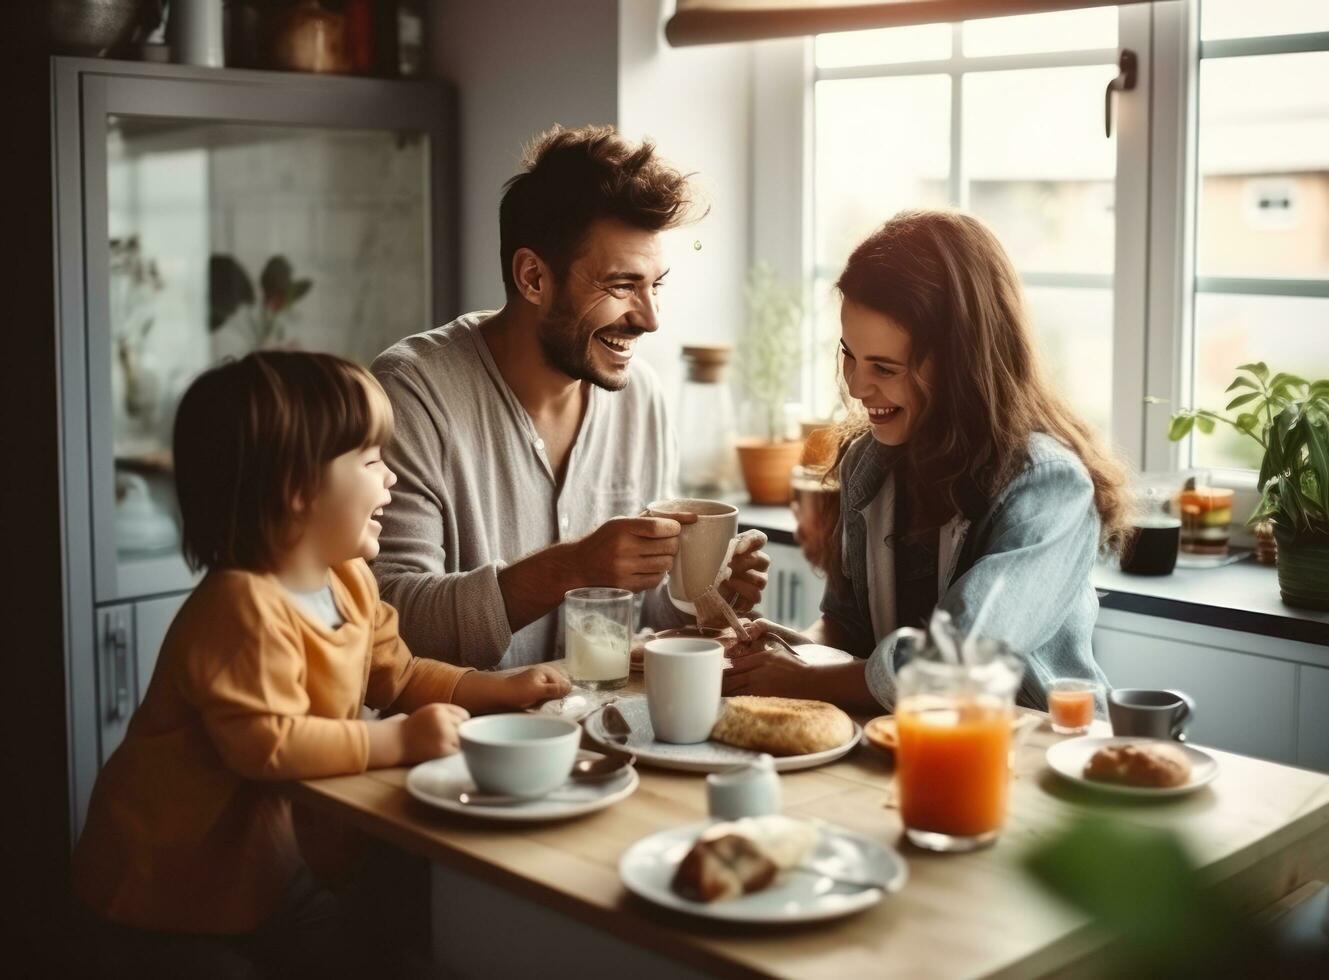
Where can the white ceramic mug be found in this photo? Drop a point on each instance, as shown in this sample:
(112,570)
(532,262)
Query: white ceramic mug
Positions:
(683,688)
(749,790)
(702,546)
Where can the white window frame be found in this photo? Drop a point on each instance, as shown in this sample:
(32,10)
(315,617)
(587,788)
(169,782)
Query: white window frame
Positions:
(1153,281)
(1178,53)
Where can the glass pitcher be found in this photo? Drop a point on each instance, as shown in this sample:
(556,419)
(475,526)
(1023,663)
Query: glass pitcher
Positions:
(953,761)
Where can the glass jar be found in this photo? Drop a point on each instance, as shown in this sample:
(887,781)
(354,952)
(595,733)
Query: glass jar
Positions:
(708,465)
(953,762)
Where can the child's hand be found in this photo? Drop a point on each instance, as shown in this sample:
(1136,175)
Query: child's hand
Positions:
(481,691)
(431,731)
(528,686)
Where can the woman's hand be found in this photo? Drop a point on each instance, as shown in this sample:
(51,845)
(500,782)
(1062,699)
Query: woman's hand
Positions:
(748,572)
(766,671)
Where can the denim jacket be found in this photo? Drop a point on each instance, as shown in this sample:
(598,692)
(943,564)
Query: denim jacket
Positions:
(1041,531)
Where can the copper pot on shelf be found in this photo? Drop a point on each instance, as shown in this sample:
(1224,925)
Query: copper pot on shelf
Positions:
(309,38)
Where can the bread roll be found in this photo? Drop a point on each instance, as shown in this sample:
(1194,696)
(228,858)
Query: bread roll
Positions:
(782,726)
(1157,766)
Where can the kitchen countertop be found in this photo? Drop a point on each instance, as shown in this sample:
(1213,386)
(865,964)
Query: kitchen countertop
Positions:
(1242,596)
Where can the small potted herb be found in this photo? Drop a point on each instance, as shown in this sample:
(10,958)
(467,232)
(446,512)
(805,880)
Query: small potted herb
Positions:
(230,288)
(770,353)
(1289,417)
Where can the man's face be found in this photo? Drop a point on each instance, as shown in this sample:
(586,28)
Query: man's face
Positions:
(608,299)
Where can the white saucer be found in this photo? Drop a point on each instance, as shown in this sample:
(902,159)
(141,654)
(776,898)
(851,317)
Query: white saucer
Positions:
(647,868)
(1067,759)
(439,782)
(701,756)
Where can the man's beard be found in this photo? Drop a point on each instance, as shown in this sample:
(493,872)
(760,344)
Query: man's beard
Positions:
(566,349)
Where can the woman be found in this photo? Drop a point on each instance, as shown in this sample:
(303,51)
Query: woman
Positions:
(963,466)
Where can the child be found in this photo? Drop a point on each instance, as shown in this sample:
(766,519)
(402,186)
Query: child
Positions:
(189,860)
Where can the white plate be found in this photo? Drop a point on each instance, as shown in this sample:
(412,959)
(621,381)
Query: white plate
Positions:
(439,782)
(647,868)
(701,756)
(1068,760)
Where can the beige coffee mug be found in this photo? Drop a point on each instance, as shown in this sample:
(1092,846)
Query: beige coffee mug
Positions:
(702,547)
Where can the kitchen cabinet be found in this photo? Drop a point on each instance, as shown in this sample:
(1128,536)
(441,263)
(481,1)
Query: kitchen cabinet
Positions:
(200,214)
(1257,695)
(1313,718)
(793,593)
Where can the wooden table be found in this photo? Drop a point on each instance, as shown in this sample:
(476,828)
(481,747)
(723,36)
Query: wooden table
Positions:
(546,898)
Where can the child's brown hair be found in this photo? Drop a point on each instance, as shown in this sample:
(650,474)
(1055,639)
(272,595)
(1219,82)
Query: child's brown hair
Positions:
(252,438)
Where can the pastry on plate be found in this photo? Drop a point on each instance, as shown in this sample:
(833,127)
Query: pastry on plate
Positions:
(1154,765)
(782,726)
(733,859)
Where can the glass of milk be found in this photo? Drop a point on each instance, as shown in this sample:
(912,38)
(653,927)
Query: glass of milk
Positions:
(597,637)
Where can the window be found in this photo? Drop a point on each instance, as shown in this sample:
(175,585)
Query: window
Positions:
(1155,262)
(1001,117)
(1262,203)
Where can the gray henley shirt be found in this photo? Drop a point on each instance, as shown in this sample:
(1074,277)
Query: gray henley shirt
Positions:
(475,492)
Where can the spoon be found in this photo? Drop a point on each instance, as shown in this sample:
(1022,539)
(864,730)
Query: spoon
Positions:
(609,764)
(583,771)
(837,879)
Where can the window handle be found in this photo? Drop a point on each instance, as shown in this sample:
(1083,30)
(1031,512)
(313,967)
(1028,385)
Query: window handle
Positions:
(1127,75)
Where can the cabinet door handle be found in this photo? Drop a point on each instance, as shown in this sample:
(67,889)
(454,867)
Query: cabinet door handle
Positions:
(779,597)
(117,643)
(795,598)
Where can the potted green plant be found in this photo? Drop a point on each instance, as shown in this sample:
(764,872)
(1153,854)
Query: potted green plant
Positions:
(230,288)
(770,353)
(1289,417)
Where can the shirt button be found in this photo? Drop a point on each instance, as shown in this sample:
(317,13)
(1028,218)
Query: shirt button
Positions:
(540,445)
(565,522)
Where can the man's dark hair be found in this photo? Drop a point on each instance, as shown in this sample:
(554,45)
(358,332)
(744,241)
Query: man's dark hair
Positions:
(573,177)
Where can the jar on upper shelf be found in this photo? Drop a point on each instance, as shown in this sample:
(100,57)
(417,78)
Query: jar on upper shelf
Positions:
(708,466)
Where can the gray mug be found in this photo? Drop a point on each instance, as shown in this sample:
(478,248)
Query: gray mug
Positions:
(1150,714)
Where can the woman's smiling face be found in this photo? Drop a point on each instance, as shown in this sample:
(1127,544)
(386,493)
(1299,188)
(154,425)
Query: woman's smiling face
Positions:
(876,353)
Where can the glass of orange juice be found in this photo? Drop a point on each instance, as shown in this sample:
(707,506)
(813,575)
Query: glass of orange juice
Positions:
(1071,705)
(953,761)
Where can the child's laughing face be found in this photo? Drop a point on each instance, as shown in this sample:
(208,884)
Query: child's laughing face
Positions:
(343,517)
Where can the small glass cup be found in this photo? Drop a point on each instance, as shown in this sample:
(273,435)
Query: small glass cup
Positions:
(1071,704)
(597,637)
(1205,512)
(952,764)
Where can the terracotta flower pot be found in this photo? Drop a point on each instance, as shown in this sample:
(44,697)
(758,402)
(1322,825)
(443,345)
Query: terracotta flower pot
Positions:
(1303,568)
(768,468)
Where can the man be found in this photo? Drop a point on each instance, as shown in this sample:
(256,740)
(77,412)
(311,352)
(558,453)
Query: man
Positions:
(525,437)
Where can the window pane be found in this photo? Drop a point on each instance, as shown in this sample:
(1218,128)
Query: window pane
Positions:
(1288,333)
(890,45)
(882,144)
(825,394)
(1264,167)
(1040,171)
(1246,18)
(1074,332)
(1067,30)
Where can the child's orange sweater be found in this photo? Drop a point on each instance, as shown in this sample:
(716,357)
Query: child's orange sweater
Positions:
(188,829)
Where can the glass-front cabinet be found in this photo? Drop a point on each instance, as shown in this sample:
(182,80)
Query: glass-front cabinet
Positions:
(202,214)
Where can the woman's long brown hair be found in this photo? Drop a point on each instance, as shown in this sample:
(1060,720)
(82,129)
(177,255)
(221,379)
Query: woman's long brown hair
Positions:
(945,279)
